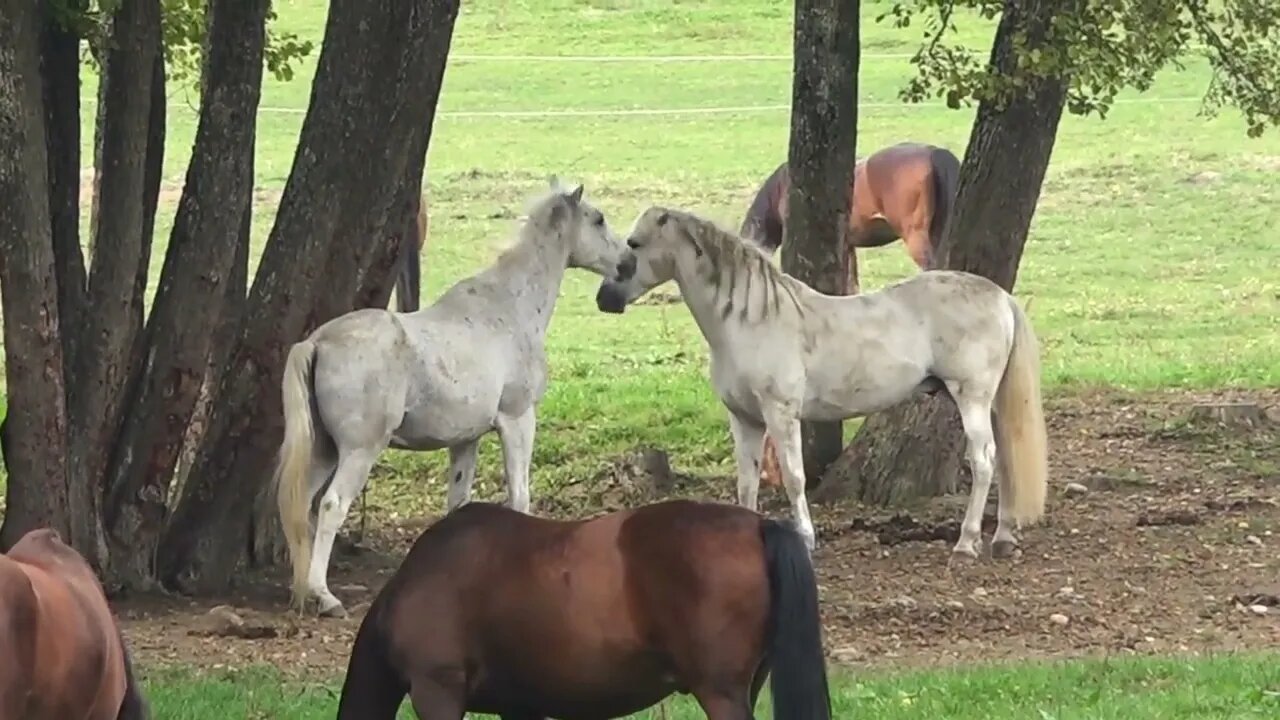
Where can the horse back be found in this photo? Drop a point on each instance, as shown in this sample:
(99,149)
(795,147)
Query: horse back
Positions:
(694,567)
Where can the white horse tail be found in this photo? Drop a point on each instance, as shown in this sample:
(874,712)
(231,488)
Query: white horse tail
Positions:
(1021,440)
(295,462)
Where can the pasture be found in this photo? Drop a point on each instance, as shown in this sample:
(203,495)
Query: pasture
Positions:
(1146,263)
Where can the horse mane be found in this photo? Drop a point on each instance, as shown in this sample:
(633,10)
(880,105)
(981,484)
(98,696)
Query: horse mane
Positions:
(733,260)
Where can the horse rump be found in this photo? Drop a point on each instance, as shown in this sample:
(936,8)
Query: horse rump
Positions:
(798,675)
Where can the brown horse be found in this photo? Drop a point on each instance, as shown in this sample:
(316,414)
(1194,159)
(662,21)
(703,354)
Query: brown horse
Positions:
(494,611)
(63,655)
(902,192)
(409,272)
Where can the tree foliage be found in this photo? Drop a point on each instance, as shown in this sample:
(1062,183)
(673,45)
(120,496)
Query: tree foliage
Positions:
(183,32)
(1104,46)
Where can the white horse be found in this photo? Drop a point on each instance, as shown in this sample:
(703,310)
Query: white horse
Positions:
(782,352)
(441,377)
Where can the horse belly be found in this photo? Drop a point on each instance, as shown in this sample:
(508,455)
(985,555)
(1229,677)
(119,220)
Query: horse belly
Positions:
(860,388)
(598,686)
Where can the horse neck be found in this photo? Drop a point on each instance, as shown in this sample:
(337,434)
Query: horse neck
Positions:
(701,299)
(532,270)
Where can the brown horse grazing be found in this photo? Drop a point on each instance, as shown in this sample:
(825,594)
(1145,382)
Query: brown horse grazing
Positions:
(903,191)
(409,271)
(61,653)
(495,611)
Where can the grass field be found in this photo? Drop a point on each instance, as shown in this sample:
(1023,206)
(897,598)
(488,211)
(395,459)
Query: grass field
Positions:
(1236,687)
(1146,261)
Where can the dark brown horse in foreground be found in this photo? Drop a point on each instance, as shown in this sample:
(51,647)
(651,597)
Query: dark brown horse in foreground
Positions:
(494,611)
(61,654)
(902,192)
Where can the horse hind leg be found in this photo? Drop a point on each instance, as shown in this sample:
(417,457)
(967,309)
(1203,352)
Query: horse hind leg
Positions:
(975,415)
(348,480)
(462,474)
(1005,543)
(516,433)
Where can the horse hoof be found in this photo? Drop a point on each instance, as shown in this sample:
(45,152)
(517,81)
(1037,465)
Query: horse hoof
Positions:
(962,557)
(334,611)
(1003,549)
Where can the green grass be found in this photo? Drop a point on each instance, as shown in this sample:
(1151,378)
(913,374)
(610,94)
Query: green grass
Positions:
(1227,686)
(1141,279)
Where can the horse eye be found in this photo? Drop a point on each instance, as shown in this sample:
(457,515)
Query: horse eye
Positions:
(600,220)
(631,243)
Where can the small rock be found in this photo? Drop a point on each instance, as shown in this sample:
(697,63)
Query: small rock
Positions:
(1059,619)
(954,604)
(1075,488)
(1253,540)
(1259,609)
(904,602)
(979,592)
(846,654)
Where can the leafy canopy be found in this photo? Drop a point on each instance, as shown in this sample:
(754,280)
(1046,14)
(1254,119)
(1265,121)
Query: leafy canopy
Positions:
(182,24)
(1103,46)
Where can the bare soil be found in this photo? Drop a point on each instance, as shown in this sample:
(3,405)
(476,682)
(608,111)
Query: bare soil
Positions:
(1160,536)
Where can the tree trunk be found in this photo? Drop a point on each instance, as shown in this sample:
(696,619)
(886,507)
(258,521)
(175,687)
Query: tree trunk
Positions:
(820,161)
(61,75)
(107,339)
(917,448)
(377,82)
(198,268)
(38,489)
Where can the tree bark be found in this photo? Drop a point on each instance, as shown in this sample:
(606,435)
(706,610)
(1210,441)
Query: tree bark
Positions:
(38,489)
(107,339)
(820,161)
(194,284)
(377,82)
(61,76)
(916,449)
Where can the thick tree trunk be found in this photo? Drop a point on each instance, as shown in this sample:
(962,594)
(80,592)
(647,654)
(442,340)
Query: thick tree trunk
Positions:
(61,75)
(820,161)
(38,489)
(198,268)
(107,339)
(917,448)
(377,82)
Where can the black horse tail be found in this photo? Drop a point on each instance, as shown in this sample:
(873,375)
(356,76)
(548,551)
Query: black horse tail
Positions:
(946,176)
(798,668)
(134,705)
(409,274)
(373,688)
(763,222)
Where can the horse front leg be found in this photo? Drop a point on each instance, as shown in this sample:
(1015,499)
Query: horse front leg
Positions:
(516,433)
(748,437)
(783,424)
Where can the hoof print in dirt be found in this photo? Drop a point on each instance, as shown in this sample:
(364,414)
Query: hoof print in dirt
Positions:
(1172,517)
(225,621)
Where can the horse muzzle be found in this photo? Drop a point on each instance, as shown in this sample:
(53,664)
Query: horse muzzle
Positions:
(611,298)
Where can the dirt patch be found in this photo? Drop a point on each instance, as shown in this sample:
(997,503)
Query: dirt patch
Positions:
(1169,543)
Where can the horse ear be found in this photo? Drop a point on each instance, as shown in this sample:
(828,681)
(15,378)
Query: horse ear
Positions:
(553,180)
(575,196)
